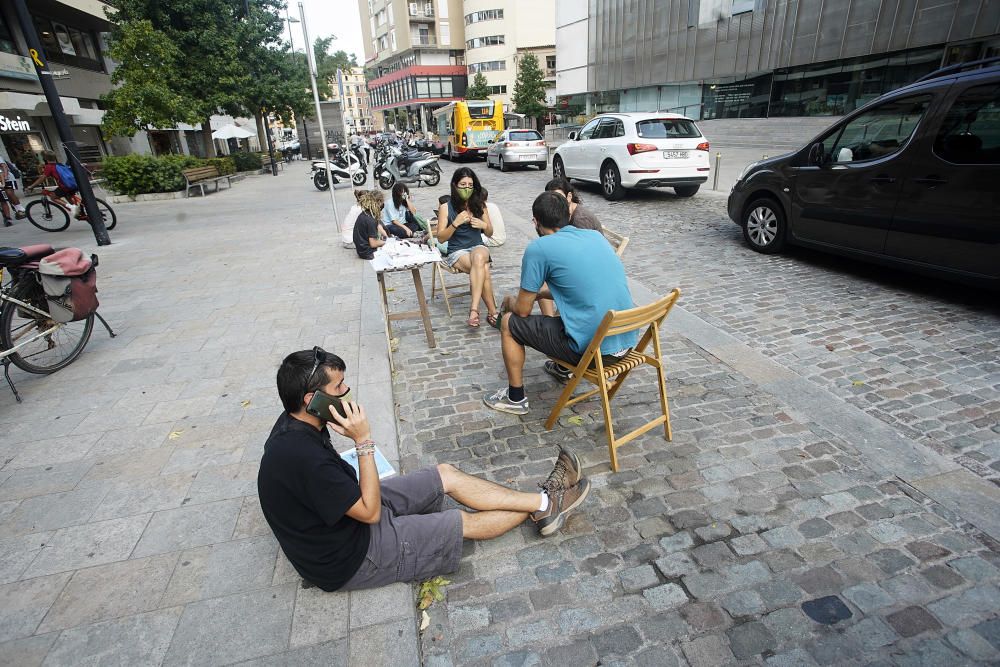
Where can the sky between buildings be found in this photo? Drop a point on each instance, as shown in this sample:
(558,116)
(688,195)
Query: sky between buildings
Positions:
(330,17)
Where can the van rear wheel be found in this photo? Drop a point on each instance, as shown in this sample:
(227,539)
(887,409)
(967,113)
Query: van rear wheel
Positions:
(764,226)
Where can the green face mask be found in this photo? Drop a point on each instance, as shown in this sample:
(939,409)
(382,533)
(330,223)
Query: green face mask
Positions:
(465,193)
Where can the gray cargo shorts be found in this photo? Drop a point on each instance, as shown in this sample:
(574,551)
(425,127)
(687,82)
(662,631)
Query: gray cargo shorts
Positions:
(413,540)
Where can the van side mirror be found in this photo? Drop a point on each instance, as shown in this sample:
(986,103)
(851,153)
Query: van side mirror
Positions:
(573,136)
(816,154)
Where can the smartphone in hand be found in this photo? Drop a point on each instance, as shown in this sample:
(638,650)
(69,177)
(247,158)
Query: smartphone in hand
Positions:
(321,403)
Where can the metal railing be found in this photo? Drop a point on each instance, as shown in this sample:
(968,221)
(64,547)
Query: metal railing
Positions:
(418,40)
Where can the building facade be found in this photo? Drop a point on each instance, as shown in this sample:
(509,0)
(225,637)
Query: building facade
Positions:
(757,58)
(352,92)
(414,58)
(74,38)
(498,33)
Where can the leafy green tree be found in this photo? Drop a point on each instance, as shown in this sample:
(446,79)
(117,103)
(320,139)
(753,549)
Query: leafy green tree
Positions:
(529,88)
(479,89)
(186,60)
(328,63)
(144,96)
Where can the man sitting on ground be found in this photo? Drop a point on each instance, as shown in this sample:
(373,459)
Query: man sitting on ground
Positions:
(345,530)
(585,279)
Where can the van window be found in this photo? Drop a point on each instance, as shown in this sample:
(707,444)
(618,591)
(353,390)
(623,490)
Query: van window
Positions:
(667,128)
(879,132)
(970,132)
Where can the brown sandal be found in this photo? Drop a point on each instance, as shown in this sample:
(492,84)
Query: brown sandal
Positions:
(473,320)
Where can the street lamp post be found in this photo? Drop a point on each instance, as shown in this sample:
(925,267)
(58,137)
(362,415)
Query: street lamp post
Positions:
(310,56)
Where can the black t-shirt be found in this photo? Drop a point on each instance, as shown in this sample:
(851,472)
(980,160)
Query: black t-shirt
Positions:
(305,491)
(365,228)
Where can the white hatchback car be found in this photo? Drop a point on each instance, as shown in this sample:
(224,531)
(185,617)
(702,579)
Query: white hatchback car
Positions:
(636,150)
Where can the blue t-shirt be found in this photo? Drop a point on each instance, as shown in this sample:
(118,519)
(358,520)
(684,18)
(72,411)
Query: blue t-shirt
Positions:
(586,279)
(390,213)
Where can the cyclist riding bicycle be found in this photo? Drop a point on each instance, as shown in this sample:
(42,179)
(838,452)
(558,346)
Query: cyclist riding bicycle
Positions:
(63,190)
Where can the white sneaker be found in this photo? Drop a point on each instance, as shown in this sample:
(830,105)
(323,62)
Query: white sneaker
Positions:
(74,210)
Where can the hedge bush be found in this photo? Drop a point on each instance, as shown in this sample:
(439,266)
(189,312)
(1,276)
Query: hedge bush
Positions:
(246,161)
(141,174)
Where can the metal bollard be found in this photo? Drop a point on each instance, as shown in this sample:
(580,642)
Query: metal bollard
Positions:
(718,164)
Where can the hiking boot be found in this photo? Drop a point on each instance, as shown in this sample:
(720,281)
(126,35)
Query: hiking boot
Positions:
(562,501)
(566,473)
(558,372)
(501,402)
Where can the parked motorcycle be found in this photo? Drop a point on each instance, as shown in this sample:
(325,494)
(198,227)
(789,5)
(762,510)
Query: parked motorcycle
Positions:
(409,167)
(344,166)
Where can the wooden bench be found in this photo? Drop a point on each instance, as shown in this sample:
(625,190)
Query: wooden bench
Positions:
(265,164)
(198,177)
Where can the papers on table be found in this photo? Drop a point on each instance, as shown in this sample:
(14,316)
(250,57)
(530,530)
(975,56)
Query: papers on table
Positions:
(397,254)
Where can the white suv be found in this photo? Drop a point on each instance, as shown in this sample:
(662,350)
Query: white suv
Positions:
(636,150)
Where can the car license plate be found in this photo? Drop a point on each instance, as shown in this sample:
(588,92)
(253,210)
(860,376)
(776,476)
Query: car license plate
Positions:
(675,155)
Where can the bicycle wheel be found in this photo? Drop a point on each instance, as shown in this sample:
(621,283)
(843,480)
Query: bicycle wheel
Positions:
(47,216)
(110,219)
(49,353)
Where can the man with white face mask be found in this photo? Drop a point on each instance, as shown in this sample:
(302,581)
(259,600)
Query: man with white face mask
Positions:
(343,530)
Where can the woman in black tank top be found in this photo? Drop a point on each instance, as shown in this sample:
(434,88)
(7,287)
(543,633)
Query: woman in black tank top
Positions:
(462,223)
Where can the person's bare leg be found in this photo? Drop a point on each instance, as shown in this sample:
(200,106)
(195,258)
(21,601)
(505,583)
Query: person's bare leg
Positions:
(489,524)
(482,494)
(477,276)
(465,264)
(513,354)
(488,298)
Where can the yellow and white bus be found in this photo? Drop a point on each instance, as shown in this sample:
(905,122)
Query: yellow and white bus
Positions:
(466,127)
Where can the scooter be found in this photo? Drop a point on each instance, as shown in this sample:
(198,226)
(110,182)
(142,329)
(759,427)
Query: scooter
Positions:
(415,167)
(318,174)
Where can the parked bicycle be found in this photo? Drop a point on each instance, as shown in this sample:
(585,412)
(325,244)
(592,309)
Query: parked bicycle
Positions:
(31,337)
(50,214)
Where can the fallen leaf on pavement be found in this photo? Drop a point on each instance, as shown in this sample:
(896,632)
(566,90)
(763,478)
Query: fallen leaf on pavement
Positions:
(858,383)
(425,620)
(174,435)
(244,403)
(577,420)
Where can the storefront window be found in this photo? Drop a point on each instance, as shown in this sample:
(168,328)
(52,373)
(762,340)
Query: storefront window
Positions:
(25,151)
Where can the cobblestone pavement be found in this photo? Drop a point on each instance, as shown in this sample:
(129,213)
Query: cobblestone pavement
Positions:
(792,520)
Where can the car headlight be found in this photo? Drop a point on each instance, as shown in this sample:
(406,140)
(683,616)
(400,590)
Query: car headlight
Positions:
(746,169)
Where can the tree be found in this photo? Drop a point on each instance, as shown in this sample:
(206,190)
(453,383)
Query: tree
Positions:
(529,88)
(190,59)
(479,89)
(144,96)
(328,63)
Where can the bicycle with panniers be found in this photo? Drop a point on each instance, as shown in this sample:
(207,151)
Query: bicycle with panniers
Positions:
(47,308)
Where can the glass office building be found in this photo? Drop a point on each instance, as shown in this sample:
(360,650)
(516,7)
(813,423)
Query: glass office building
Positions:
(759,58)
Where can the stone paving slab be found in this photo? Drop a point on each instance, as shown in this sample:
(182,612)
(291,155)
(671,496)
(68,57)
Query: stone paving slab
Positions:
(130,530)
(777,499)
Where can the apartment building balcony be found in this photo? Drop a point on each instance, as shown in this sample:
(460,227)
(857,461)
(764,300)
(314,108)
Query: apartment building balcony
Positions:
(418,41)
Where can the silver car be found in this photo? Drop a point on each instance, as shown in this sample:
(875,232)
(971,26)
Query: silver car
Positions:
(518,147)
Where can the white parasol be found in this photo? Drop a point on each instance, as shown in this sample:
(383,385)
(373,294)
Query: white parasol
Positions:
(231,132)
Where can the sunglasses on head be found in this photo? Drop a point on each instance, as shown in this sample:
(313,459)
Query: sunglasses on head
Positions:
(319,356)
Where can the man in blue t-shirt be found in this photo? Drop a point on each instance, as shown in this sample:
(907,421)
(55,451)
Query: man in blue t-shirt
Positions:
(583,276)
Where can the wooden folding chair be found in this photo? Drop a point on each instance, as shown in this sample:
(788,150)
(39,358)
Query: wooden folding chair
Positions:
(593,369)
(441,269)
(617,241)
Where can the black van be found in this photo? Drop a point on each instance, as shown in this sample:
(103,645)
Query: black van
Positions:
(911,179)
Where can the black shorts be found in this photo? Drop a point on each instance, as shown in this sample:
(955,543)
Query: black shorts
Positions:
(65,194)
(545,334)
(548,336)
